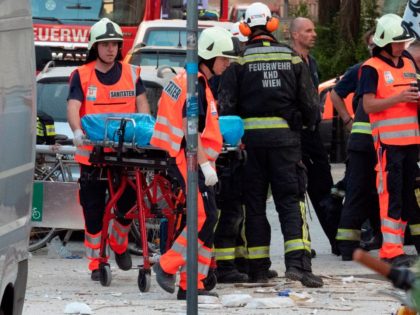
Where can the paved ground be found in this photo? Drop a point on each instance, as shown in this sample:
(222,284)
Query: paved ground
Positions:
(349,288)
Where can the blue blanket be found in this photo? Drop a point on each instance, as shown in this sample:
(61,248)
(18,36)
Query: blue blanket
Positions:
(94,126)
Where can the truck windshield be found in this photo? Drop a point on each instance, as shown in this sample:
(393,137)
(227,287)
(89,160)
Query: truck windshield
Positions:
(124,13)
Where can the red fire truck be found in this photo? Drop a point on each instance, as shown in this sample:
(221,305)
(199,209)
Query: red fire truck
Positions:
(63,25)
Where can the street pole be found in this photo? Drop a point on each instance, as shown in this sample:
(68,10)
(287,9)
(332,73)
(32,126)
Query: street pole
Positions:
(192,143)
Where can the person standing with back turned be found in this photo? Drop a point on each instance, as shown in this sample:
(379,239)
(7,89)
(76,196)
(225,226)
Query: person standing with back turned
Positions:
(94,89)
(270,88)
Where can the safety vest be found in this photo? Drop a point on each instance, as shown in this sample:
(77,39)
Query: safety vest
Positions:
(100,98)
(397,125)
(168,133)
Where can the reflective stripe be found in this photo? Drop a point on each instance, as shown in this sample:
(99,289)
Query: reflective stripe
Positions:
(204,253)
(297,244)
(361,127)
(224,253)
(394,122)
(240,252)
(414,229)
(348,235)
(305,231)
(263,50)
(399,134)
(134,74)
(211,153)
(180,249)
(82,152)
(202,268)
(392,238)
(265,57)
(264,123)
(390,224)
(167,138)
(93,240)
(258,252)
(174,130)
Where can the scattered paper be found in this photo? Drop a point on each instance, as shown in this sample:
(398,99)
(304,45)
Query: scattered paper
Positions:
(235,300)
(77,308)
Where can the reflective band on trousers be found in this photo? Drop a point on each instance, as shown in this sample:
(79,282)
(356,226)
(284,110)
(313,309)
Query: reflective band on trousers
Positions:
(224,253)
(297,244)
(264,123)
(240,252)
(391,224)
(414,229)
(348,235)
(361,127)
(392,238)
(258,252)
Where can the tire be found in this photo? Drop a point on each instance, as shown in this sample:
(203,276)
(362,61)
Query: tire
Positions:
(39,237)
(105,276)
(144,280)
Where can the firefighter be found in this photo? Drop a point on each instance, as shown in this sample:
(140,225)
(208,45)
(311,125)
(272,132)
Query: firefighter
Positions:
(390,97)
(361,200)
(215,47)
(271,89)
(90,88)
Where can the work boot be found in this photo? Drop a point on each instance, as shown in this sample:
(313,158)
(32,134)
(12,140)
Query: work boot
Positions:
(123,260)
(165,280)
(182,294)
(272,274)
(403,260)
(95,275)
(231,276)
(307,278)
(258,277)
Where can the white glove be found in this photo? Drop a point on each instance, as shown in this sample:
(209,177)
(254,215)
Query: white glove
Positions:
(78,137)
(210,174)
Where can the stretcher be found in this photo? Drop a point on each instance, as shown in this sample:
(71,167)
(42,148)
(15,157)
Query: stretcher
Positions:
(143,168)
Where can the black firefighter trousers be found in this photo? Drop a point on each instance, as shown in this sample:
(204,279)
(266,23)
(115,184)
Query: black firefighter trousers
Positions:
(279,167)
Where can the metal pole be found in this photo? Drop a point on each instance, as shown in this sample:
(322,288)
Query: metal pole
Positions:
(192,142)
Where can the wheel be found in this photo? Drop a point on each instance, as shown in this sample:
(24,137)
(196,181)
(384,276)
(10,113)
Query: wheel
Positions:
(39,237)
(210,281)
(105,276)
(144,280)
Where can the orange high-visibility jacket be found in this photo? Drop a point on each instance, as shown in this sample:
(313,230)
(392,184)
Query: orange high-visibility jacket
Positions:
(99,98)
(168,132)
(396,125)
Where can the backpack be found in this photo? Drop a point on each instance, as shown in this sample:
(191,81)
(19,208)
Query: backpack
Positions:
(45,130)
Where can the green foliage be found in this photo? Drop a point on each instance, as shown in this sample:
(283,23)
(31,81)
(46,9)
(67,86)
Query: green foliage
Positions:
(302,9)
(333,54)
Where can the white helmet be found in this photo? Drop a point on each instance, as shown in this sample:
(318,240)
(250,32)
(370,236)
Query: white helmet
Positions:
(257,14)
(104,30)
(215,42)
(389,30)
(236,33)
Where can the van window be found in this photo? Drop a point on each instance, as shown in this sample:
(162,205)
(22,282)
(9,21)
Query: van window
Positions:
(166,37)
(52,99)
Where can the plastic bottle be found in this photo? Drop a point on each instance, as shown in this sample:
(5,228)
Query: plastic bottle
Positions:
(56,249)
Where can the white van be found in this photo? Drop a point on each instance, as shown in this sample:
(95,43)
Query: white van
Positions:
(17,149)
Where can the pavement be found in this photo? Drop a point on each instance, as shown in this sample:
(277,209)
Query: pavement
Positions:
(349,288)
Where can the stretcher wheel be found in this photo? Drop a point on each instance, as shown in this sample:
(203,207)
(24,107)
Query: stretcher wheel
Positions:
(144,280)
(105,275)
(210,281)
